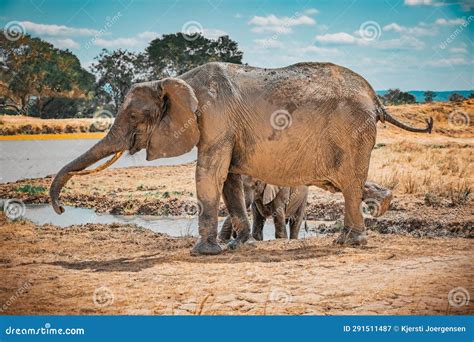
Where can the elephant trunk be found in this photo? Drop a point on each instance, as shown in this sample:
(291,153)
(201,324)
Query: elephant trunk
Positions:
(102,149)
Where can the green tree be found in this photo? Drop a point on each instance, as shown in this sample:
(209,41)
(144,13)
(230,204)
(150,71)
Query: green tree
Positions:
(429,95)
(116,72)
(397,97)
(456,97)
(174,54)
(32,67)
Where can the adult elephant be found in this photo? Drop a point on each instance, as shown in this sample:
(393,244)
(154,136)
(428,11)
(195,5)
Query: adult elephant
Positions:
(305,124)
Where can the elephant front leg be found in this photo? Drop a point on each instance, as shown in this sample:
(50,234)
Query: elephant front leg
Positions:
(280,224)
(258,223)
(208,187)
(236,205)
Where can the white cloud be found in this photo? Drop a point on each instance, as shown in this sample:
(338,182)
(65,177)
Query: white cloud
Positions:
(402,43)
(237,15)
(280,25)
(450,22)
(311,11)
(213,33)
(342,38)
(458,50)
(273,20)
(446,62)
(321,51)
(422,3)
(269,43)
(66,43)
(145,37)
(416,30)
(57,30)
(118,42)
(466,5)
(140,39)
(272,29)
(149,35)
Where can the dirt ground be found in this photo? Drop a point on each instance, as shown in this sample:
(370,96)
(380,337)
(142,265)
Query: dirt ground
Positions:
(112,269)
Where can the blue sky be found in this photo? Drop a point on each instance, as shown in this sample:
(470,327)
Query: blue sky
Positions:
(407,44)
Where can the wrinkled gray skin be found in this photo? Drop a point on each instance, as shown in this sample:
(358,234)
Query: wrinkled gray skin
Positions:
(284,204)
(305,124)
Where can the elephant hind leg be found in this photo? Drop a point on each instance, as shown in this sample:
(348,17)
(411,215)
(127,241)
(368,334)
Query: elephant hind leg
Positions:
(354,227)
(226,231)
(295,222)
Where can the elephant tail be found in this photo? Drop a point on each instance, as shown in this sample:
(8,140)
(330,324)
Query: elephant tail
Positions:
(306,223)
(383,116)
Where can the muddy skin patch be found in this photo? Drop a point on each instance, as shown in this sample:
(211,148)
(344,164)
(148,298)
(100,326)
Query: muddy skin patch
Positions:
(337,155)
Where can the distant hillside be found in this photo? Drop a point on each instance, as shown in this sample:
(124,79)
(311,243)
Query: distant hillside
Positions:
(440,95)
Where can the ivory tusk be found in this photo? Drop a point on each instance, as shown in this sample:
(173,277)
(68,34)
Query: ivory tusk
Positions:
(109,162)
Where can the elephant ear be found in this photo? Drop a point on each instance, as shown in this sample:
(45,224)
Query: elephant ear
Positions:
(270,193)
(177,131)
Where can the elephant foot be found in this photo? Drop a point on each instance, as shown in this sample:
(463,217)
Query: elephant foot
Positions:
(206,247)
(236,243)
(223,238)
(251,241)
(351,237)
(243,235)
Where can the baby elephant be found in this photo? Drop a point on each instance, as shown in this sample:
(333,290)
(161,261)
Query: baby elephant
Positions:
(284,204)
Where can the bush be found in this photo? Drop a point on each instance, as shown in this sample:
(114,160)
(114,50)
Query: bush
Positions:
(396,97)
(64,107)
(455,97)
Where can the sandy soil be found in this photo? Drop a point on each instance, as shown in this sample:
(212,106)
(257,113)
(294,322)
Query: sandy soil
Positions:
(111,269)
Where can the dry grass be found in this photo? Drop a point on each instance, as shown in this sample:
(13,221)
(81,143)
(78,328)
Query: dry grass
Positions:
(451,119)
(411,168)
(19,124)
(435,166)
